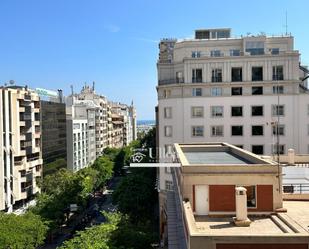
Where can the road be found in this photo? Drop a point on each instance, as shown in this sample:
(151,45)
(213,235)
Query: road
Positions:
(97,204)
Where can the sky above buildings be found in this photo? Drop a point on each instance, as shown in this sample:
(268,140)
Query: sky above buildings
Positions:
(57,43)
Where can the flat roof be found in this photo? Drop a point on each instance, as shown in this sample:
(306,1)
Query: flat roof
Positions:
(293,222)
(221,154)
(214,157)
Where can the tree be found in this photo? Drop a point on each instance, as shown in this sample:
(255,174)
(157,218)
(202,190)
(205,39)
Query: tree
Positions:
(104,166)
(53,167)
(21,231)
(96,237)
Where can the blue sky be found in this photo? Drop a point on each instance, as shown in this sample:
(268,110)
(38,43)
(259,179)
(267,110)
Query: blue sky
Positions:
(56,43)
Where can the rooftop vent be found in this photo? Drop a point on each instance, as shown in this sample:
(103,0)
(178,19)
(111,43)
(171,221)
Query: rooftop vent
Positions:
(241,218)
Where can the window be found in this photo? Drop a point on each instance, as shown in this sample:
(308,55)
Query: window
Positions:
(275,51)
(255,47)
(215,53)
(217,131)
(197,75)
(257,110)
(197,131)
(217,91)
(257,130)
(236,91)
(216,111)
(166,93)
(234,52)
(196,54)
(168,131)
(168,150)
(216,75)
(168,185)
(257,73)
(280,149)
(277,72)
(167,112)
(258,149)
(76,126)
(197,92)
(237,130)
(197,111)
(251,196)
(257,90)
(278,110)
(278,89)
(278,130)
(236,74)
(236,111)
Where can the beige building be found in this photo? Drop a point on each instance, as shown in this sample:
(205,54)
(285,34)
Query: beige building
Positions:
(249,91)
(225,197)
(20,154)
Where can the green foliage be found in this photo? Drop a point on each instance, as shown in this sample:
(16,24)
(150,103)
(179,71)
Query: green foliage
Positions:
(104,166)
(96,237)
(21,231)
(53,167)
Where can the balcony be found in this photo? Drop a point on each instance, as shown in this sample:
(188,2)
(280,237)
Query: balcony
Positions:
(171,81)
(197,80)
(216,79)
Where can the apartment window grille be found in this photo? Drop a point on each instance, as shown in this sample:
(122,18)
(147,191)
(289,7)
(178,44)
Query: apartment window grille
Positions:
(197,131)
(236,74)
(217,131)
(197,112)
(216,111)
(236,111)
(216,75)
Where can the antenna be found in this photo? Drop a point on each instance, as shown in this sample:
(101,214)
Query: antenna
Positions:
(286,23)
(72,92)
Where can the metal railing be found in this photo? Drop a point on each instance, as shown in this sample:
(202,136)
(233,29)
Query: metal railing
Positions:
(296,188)
(171,81)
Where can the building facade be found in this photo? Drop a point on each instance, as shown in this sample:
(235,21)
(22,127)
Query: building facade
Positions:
(106,124)
(243,91)
(53,123)
(21,156)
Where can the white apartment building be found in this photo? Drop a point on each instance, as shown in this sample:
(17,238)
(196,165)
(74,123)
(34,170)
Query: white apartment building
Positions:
(20,155)
(237,90)
(93,124)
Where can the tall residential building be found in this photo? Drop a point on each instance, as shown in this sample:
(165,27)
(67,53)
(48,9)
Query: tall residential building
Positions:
(53,123)
(99,123)
(244,91)
(20,143)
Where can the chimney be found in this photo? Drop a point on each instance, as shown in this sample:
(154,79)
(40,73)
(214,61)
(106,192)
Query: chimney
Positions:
(241,218)
(291,157)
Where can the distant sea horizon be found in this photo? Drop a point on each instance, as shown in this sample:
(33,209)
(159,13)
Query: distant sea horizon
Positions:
(146,122)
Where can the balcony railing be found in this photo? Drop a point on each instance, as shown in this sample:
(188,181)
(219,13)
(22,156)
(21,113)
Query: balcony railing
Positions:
(216,79)
(296,188)
(171,81)
(197,80)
